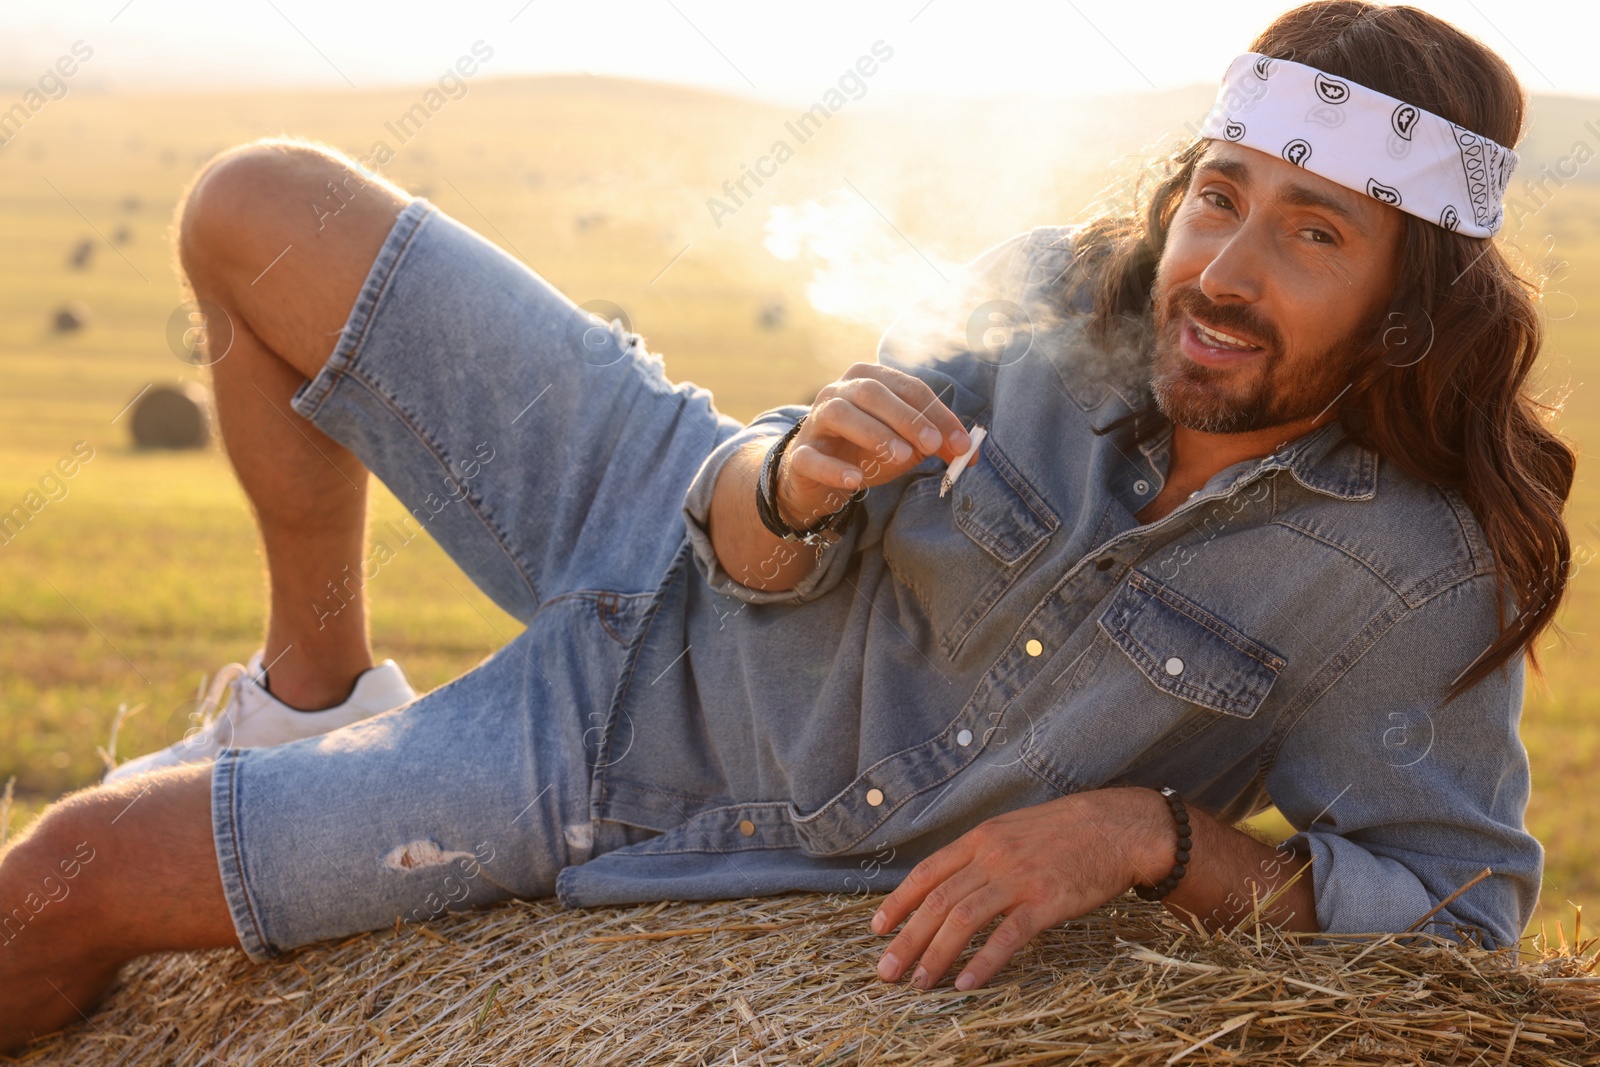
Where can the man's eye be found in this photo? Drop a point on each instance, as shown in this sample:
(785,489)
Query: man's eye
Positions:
(1327,238)
(1227,204)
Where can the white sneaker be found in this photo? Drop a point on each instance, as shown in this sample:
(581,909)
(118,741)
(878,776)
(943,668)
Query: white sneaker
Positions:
(254,718)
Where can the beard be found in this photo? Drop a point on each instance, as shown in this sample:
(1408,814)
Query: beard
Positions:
(1212,400)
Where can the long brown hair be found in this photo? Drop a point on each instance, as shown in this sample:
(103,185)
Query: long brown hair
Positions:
(1460,415)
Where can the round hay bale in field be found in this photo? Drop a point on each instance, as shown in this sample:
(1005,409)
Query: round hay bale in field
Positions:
(82,255)
(70,318)
(172,416)
(792,980)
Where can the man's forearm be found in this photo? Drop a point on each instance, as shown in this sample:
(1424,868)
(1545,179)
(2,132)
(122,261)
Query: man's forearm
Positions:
(1227,871)
(751,554)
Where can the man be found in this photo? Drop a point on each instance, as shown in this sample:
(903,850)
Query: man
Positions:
(1257,484)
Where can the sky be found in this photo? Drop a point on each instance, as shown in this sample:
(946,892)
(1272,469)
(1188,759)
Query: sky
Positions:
(783,52)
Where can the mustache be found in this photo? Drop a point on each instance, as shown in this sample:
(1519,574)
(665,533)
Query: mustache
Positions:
(1229,318)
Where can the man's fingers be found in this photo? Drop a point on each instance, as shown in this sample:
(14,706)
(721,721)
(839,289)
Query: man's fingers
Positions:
(811,459)
(909,406)
(921,880)
(842,418)
(933,912)
(962,922)
(922,411)
(1019,927)
(808,462)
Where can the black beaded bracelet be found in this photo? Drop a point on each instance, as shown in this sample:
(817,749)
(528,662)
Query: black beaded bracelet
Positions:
(1180,816)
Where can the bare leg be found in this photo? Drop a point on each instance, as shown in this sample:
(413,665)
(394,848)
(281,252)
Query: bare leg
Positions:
(281,237)
(103,876)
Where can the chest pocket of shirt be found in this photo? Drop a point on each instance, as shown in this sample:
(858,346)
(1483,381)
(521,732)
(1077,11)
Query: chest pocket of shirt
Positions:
(1163,670)
(960,553)
(1188,652)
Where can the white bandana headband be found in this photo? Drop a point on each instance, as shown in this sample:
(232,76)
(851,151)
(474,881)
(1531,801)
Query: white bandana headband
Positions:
(1364,140)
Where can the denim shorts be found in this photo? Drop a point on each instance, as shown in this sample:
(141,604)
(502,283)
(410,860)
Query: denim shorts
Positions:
(549,455)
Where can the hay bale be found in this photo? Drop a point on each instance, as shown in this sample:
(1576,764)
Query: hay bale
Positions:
(82,255)
(773,314)
(172,416)
(791,980)
(70,318)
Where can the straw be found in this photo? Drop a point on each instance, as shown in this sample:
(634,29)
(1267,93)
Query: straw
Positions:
(792,980)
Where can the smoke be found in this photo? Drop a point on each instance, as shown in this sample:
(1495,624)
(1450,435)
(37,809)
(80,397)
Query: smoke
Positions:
(863,270)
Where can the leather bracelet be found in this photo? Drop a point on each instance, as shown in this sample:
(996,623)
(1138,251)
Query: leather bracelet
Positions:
(1180,816)
(767,500)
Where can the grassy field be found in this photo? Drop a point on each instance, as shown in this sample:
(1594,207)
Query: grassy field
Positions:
(145,573)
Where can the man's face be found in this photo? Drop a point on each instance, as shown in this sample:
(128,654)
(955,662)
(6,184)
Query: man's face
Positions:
(1265,252)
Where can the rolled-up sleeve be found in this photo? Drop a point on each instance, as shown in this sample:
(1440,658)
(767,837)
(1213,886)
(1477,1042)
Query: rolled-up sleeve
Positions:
(1401,799)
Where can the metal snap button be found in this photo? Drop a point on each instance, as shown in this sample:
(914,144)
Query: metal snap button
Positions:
(746,827)
(1141,487)
(964,738)
(875,797)
(1105,564)
(1033,646)
(966,502)
(1174,665)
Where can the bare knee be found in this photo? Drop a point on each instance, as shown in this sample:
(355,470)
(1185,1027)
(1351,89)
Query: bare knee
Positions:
(59,926)
(43,876)
(281,234)
(256,196)
(227,195)
(120,870)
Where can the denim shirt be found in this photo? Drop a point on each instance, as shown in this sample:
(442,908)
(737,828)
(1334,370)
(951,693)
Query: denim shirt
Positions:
(1282,637)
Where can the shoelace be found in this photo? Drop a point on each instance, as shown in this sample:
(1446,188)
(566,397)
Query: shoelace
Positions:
(223,683)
